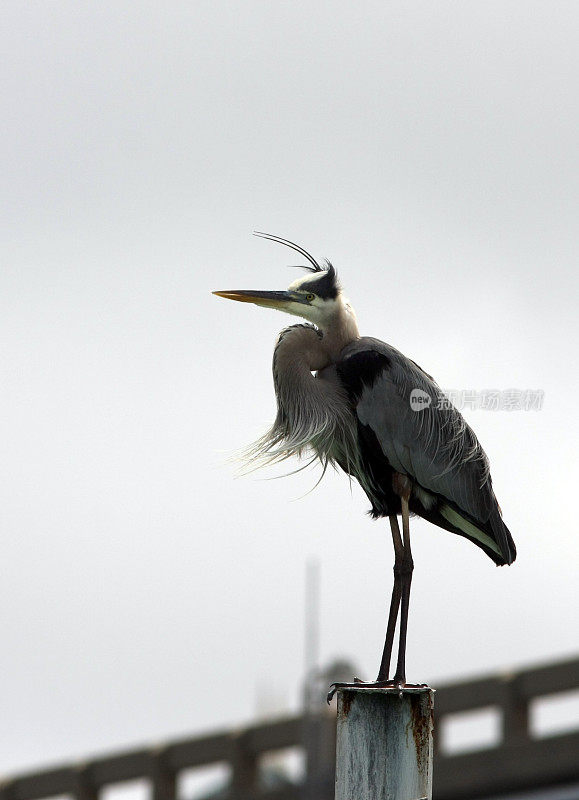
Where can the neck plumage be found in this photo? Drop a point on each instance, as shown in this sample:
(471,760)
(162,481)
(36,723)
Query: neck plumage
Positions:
(340,330)
(311,413)
(301,399)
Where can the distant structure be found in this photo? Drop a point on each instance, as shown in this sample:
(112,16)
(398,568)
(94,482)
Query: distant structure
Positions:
(316,686)
(521,761)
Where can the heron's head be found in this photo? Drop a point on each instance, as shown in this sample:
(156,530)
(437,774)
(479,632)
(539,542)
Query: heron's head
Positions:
(316,296)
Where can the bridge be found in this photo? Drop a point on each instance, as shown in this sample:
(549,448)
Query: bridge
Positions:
(516,758)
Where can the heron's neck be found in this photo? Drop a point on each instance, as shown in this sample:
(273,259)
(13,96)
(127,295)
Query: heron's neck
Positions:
(300,350)
(307,408)
(340,330)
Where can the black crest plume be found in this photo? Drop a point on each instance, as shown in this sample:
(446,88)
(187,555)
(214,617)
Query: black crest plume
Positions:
(315,266)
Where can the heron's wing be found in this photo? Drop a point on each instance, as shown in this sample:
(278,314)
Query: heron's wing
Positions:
(420,433)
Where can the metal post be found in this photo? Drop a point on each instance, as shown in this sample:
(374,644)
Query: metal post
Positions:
(384,744)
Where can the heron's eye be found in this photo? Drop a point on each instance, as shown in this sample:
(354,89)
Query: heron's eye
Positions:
(310,297)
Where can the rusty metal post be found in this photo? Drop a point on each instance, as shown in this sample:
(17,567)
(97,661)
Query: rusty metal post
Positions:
(384,744)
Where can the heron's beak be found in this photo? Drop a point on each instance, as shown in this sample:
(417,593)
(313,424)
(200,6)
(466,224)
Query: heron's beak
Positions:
(267,299)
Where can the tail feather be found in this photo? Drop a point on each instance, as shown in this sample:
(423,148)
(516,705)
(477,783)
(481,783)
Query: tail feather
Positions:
(492,536)
(503,537)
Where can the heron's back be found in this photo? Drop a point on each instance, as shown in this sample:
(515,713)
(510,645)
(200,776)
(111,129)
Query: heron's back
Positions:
(430,441)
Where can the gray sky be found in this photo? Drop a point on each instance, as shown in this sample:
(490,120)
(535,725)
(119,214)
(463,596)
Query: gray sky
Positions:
(428,149)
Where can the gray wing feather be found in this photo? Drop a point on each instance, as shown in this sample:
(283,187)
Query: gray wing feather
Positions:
(433,445)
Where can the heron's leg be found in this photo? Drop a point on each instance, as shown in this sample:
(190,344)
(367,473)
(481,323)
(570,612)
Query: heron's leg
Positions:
(384,670)
(407,566)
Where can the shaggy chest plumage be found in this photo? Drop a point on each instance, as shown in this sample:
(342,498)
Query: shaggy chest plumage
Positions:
(313,413)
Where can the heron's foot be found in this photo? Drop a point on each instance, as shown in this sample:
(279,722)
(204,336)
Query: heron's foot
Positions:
(394,683)
(336,686)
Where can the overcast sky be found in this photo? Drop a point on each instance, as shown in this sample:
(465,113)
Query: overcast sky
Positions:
(430,151)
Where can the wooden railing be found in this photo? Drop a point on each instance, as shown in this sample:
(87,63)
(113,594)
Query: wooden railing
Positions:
(520,760)
(517,762)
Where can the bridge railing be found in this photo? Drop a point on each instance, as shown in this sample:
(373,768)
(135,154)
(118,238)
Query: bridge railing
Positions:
(518,761)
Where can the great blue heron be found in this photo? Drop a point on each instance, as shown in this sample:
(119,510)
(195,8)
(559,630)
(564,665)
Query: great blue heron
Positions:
(384,421)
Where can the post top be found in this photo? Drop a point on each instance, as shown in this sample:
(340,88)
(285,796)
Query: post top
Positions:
(371,688)
(376,687)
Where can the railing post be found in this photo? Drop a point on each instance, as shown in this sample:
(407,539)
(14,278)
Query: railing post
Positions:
(515,713)
(84,788)
(384,744)
(5,787)
(244,769)
(163,778)
(319,740)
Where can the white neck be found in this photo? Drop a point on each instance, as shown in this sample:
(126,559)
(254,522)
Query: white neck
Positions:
(340,329)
